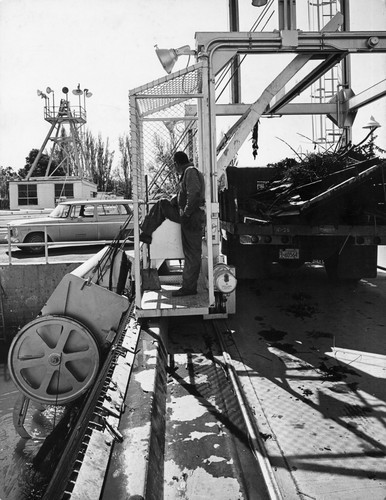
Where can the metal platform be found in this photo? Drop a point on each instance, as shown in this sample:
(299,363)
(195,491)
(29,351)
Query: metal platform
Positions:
(156,303)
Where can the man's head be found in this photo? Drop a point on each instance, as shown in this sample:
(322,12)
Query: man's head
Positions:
(181,161)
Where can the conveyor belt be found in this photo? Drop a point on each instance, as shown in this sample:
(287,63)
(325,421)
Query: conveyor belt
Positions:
(81,469)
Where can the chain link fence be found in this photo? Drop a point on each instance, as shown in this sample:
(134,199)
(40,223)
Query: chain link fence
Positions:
(163,120)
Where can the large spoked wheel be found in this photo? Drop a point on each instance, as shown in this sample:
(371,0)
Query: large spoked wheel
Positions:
(53,360)
(34,238)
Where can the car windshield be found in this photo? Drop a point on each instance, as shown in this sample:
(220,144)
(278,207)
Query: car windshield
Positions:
(60,211)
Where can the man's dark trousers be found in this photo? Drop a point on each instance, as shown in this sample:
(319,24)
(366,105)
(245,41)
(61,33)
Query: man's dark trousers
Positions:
(191,235)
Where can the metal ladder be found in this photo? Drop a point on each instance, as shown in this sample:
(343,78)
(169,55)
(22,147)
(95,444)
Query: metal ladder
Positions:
(324,132)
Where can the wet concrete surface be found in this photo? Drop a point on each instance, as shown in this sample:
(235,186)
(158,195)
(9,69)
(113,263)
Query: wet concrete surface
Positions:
(207,446)
(311,356)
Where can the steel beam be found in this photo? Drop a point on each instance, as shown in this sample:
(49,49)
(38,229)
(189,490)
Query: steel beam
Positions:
(301,108)
(240,130)
(365,42)
(244,125)
(367,96)
(308,80)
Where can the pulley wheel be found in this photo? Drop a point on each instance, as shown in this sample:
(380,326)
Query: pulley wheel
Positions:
(53,359)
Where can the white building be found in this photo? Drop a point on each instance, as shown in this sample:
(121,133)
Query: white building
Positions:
(46,192)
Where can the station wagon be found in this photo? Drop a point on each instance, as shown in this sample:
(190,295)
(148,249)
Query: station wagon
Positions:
(91,220)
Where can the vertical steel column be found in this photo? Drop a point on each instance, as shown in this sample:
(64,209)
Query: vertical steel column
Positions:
(346,63)
(208,157)
(287,14)
(235,66)
(135,176)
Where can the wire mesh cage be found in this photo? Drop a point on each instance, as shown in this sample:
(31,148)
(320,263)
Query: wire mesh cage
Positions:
(165,117)
(163,120)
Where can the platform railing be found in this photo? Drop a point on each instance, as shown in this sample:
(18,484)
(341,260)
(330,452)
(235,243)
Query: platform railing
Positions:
(49,244)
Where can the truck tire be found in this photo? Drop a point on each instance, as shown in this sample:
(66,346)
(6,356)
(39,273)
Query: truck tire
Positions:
(331,267)
(250,261)
(352,263)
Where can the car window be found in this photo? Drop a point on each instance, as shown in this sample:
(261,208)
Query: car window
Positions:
(88,211)
(112,209)
(61,211)
(100,210)
(76,210)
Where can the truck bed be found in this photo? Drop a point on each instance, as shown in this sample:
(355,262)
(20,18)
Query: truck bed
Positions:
(352,196)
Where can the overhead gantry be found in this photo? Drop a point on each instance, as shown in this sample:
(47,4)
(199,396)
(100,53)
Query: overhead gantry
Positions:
(180,111)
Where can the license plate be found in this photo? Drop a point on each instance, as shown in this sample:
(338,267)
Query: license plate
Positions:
(289,253)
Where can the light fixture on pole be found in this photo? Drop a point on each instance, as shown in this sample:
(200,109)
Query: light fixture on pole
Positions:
(259,3)
(372,125)
(41,94)
(65,92)
(49,90)
(88,94)
(78,92)
(168,57)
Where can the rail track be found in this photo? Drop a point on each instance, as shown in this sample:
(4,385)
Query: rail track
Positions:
(255,441)
(82,468)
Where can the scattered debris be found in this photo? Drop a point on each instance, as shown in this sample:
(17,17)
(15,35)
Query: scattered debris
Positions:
(336,372)
(302,310)
(272,335)
(265,436)
(306,392)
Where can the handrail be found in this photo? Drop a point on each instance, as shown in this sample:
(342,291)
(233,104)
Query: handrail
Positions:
(43,228)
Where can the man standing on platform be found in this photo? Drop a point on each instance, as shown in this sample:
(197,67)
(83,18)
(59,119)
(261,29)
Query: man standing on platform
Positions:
(186,208)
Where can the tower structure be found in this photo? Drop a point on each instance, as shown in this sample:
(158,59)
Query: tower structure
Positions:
(67,125)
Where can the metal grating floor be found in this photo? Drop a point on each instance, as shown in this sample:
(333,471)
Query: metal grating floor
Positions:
(156,303)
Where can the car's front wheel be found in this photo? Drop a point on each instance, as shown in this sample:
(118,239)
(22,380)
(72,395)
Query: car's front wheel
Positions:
(34,238)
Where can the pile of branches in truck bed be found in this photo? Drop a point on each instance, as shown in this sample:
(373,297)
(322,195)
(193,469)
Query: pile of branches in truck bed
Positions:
(344,187)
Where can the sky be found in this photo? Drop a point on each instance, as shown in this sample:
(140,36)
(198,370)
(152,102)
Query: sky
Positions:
(107,46)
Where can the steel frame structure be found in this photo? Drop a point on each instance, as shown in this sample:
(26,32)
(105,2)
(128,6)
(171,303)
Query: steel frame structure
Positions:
(70,145)
(328,46)
(216,50)
(155,103)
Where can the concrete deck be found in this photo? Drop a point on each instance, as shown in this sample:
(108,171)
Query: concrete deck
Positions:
(311,360)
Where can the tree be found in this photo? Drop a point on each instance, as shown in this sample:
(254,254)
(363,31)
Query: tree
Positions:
(42,165)
(6,175)
(125,164)
(100,160)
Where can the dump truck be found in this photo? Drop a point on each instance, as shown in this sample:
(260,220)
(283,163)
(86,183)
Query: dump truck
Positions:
(339,219)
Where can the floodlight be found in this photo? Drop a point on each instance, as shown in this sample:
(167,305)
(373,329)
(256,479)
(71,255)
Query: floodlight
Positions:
(372,123)
(77,91)
(65,90)
(168,57)
(259,3)
(49,90)
(41,94)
